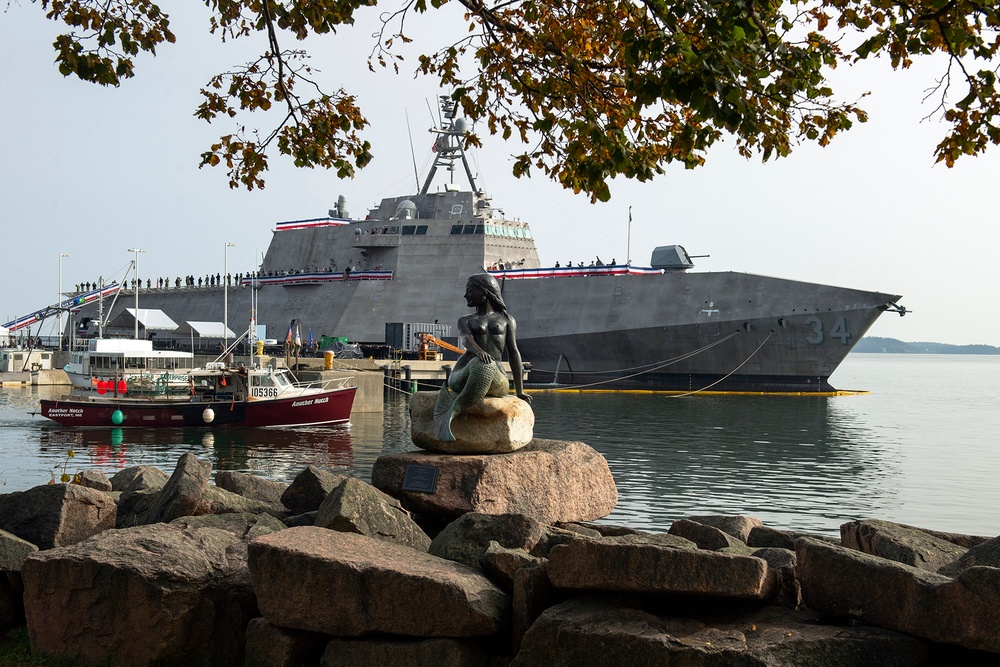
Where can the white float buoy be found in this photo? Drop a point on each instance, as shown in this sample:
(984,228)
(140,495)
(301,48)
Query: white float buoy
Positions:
(208,415)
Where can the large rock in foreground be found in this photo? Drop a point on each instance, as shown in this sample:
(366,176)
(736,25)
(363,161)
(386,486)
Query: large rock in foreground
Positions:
(343,584)
(900,543)
(847,583)
(310,488)
(550,480)
(494,426)
(638,564)
(183,492)
(150,595)
(587,631)
(356,507)
(57,515)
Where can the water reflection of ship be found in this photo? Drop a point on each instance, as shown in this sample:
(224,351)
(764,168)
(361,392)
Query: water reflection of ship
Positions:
(786,460)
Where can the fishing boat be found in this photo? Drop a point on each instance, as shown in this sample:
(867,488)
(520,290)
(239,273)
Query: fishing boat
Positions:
(403,266)
(218,395)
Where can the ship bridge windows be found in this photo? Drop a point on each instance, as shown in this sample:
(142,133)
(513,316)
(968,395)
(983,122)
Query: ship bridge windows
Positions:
(467,229)
(411,230)
(506,231)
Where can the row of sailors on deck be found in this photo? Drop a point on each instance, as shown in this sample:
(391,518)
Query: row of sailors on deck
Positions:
(501,265)
(597,262)
(163,283)
(217,280)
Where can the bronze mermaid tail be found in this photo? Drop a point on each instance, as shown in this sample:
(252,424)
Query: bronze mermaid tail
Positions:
(467,386)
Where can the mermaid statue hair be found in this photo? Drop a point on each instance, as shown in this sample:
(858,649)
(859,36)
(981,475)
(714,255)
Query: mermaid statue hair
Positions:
(491,287)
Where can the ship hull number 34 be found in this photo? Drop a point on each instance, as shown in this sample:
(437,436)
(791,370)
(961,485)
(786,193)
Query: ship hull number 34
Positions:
(818,335)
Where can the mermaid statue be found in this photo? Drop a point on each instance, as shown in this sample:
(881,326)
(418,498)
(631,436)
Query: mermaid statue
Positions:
(487,334)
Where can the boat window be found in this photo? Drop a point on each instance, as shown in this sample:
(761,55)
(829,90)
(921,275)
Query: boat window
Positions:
(527,233)
(490,230)
(517,232)
(408,230)
(281,380)
(135,362)
(479,229)
(262,380)
(394,230)
(421,229)
(469,229)
(456,229)
(504,231)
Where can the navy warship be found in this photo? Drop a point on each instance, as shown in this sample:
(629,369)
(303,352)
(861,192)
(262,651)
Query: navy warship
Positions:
(657,327)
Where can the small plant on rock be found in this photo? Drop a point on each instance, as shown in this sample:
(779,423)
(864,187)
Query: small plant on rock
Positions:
(65,477)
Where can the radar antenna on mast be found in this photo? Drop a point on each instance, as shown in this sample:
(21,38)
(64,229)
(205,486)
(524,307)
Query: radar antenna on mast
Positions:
(449,145)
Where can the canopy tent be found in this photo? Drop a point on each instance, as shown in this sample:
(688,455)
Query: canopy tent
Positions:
(204,330)
(202,337)
(151,320)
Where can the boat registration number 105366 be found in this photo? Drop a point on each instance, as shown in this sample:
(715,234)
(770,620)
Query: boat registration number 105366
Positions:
(264,392)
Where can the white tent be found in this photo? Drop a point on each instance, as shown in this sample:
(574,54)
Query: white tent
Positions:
(204,330)
(204,337)
(150,319)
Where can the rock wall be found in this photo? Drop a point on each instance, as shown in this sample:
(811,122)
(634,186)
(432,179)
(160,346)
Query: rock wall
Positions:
(329,570)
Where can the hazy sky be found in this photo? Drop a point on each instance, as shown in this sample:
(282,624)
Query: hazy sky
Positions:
(91,172)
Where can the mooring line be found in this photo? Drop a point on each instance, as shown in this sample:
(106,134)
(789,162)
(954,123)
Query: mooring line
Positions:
(706,388)
(649,368)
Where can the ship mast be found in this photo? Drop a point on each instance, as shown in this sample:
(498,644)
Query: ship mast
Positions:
(449,145)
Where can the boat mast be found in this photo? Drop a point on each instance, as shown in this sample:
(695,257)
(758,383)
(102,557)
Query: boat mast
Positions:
(100,308)
(628,239)
(449,146)
(135,265)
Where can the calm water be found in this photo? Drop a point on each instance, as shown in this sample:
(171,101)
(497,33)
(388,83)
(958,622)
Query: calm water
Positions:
(919,449)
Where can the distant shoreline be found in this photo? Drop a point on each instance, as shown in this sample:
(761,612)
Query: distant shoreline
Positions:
(893,346)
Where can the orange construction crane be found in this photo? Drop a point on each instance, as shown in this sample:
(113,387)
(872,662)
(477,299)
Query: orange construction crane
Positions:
(427,340)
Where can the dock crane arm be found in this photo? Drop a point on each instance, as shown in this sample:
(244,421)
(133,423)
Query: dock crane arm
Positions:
(427,338)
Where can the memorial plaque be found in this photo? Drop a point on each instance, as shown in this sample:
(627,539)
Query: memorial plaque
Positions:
(420,478)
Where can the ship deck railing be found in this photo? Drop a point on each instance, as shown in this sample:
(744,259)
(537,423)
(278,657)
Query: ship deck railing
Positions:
(317,278)
(576,271)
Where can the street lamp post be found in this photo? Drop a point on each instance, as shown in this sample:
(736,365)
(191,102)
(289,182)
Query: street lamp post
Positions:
(59,302)
(136,251)
(225,297)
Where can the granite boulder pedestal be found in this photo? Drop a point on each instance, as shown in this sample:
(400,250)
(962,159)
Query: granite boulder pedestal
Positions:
(492,426)
(550,480)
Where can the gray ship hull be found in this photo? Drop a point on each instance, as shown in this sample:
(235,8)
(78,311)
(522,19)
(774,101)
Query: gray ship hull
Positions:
(690,331)
(677,331)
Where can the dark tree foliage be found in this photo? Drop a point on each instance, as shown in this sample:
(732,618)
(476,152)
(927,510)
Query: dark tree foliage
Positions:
(591,89)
